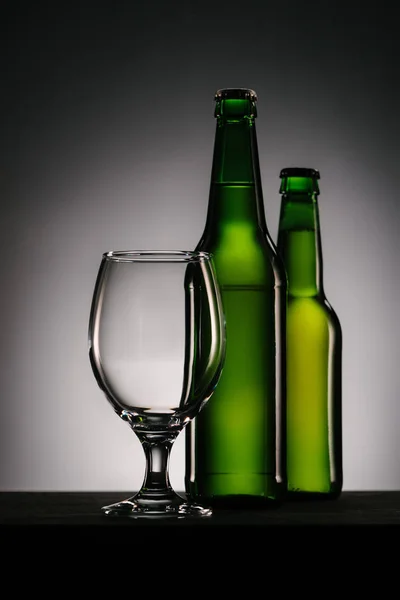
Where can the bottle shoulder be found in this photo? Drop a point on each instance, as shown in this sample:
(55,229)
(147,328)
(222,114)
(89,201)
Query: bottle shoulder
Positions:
(316,307)
(238,240)
(249,257)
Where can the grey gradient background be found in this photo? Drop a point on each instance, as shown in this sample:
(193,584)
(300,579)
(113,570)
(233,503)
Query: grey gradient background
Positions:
(107,133)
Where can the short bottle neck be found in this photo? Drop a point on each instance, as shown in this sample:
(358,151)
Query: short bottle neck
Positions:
(299,243)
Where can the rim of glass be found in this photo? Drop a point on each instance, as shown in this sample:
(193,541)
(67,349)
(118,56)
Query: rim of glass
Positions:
(156,256)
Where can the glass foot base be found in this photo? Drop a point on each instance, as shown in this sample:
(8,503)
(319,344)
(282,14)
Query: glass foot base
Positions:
(171,506)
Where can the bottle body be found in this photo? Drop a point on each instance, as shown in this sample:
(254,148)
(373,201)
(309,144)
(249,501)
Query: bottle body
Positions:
(235,446)
(313,347)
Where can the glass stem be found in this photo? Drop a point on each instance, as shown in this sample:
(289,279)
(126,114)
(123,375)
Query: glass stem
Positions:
(157,449)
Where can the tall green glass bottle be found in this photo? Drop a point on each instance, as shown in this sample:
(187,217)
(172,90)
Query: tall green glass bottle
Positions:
(314,346)
(235,446)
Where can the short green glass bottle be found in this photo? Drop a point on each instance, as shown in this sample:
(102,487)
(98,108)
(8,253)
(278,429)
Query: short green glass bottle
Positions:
(313,347)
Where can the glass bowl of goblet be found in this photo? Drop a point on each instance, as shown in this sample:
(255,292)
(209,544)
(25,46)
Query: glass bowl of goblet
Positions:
(157,349)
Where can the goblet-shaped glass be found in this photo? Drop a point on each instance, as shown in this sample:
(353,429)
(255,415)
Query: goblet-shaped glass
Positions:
(157,346)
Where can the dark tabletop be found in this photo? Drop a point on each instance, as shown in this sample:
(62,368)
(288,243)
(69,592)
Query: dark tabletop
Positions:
(47,525)
(38,528)
(34,509)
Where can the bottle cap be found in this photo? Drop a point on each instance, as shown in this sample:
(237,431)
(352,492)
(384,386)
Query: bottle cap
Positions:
(296,180)
(299,172)
(235,104)
(236,94)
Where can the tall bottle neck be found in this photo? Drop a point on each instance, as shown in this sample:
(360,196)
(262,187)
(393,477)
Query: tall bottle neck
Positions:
(236,192)
(233,152)
(299,242)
